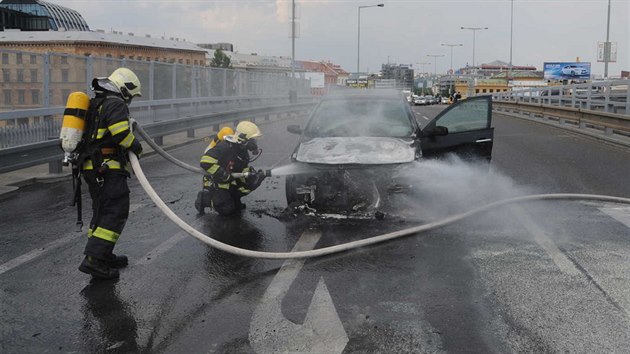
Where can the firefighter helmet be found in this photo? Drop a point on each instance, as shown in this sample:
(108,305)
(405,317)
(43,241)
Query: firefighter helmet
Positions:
(224,132)
(127,82)
(246,130)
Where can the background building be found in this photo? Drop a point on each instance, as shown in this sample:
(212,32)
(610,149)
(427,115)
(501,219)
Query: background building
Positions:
(35,15)
(403,74)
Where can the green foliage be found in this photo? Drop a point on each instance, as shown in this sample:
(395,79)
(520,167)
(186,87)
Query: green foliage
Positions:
(221,60)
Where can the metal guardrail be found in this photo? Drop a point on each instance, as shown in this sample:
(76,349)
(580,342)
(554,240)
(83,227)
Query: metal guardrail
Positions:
(25,156)
(145,112)
(612,96)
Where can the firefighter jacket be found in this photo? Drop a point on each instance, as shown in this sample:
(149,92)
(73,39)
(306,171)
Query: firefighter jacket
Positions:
(110,135)
(222,160)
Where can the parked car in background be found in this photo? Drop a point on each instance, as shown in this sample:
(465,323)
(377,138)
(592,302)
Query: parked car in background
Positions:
(574,70)
(354,145)
(444,100)
(419,101)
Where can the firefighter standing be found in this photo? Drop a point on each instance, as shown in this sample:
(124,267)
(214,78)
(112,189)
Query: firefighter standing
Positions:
(229,156)
(104,161)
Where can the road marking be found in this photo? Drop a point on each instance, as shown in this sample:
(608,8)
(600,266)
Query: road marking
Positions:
(322,331)
(18,261)
(620,214)
(164,247)
(425,117)
(559,258)
(27,257)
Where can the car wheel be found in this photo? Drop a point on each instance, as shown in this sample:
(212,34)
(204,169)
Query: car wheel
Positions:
(290,193)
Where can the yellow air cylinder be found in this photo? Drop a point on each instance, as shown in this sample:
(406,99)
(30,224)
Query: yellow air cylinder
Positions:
(74,121)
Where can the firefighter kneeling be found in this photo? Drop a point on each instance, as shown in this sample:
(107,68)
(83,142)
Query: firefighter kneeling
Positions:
(223,192)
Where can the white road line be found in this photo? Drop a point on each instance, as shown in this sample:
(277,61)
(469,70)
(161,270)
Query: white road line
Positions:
(18,261)
(163,247)
(425,117)
(545,242)
(620,214)
(27,257)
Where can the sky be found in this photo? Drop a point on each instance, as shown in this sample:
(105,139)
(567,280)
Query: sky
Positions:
(401,32)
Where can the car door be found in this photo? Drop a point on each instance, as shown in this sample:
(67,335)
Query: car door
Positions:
(464,129)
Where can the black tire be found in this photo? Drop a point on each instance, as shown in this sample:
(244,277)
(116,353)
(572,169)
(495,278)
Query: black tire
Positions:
(289,186)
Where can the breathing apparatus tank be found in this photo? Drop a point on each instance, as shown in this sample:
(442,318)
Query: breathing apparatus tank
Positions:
(73,124)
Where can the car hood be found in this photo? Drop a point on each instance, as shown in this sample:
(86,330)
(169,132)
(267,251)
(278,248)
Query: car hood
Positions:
(356,150)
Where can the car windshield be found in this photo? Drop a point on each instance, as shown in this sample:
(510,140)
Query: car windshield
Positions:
(360,117)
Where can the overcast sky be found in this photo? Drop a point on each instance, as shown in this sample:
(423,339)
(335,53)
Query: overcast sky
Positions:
(402,31)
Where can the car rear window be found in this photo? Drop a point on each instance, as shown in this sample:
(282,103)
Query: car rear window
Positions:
(351,118)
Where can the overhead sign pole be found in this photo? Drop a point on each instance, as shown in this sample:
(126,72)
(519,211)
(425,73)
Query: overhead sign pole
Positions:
(607,44)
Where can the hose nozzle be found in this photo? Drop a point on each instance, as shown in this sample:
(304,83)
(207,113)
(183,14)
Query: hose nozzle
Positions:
(267,173)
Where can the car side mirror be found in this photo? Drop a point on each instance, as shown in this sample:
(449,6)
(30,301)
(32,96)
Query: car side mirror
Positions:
(436,131)
(294,129)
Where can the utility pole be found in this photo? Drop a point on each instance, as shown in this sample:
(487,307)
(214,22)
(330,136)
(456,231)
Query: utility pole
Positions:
(359,32)
(474,29)
(511,28)
(452,45)
(435,56)
(292,90)
(607,44)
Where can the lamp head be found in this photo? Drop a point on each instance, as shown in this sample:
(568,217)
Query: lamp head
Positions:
(381,5)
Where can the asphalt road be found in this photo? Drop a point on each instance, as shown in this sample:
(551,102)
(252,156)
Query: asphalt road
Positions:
(545,276)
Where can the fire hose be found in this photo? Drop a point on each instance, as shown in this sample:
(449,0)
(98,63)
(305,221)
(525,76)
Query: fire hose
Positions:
(349,245)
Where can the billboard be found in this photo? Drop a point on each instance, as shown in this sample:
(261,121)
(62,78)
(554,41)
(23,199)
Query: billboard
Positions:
(567,71)
(317,79)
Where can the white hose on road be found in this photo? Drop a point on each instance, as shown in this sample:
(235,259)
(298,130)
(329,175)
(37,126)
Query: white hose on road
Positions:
(354,244)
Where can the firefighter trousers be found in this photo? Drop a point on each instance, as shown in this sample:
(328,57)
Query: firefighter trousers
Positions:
(226,201)
(110,209)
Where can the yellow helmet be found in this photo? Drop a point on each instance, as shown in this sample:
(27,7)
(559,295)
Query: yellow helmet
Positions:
(246,130)
(224,131)
(127,82)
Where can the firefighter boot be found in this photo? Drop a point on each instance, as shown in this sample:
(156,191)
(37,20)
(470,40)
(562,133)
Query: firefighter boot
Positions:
(98,268)
(199,203)
(115,261)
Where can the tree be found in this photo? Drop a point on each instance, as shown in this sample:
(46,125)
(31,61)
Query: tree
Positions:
(220,60)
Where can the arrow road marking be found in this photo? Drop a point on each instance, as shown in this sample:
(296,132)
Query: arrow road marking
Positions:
(322,331)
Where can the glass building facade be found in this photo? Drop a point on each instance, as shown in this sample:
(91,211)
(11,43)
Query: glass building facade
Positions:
(31,13)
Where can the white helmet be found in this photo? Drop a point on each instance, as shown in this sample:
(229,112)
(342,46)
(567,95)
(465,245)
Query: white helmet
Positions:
(127,82)
(246,130)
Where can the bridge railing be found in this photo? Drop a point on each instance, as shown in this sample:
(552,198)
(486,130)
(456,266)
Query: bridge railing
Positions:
(34,88)
(611,96)
(24,156)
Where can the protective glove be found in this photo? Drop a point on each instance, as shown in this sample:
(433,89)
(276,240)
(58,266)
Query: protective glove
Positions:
(136,148)
(222,176)
(257,179)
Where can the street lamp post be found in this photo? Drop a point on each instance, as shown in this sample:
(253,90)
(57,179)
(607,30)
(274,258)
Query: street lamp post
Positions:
(452,45)
(607,44)
(435,56)
(511,27)
(359,31)
(423,64)
(474,29)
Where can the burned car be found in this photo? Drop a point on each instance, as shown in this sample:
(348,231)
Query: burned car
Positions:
(356,148)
